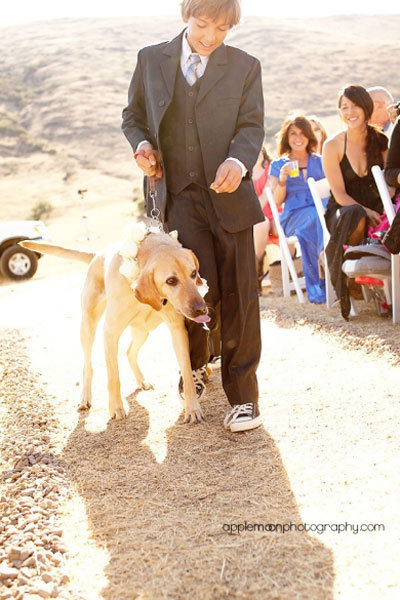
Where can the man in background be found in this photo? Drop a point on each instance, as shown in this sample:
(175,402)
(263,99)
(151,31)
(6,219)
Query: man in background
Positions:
(382,100)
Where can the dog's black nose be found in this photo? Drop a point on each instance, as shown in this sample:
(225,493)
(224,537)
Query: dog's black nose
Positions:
(200,309)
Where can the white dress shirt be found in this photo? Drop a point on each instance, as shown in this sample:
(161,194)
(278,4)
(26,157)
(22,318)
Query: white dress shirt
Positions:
(201,67)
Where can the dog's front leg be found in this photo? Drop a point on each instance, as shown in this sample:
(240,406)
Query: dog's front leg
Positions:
(180,340)
(111,339)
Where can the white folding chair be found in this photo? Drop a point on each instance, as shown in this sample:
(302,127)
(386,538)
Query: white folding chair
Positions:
(390,213)
(287,264)
(320,189)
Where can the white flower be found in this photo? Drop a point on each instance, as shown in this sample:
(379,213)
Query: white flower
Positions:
(135,232)
(203,288)
(129,268)
(128,249)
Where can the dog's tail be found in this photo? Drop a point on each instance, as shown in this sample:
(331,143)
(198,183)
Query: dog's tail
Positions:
(60,251)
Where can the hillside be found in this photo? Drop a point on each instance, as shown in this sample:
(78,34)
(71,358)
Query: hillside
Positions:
(64,83)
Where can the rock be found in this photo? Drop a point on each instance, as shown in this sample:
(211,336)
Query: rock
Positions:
(16,563)
(33,518)
(60,548)
(7,572)
(14,554)
(57,532)
(25,553)
(43,591)
(57,559)
(26,572)
(47,577)
(30,562)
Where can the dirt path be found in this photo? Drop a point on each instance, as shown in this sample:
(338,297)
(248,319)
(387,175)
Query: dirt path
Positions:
(142,508)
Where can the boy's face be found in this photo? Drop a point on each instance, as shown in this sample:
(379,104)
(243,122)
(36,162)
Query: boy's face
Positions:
(205,35)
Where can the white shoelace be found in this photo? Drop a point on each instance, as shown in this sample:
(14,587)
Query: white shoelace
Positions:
(238,411)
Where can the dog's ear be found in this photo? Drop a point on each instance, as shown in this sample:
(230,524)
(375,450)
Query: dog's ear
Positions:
(146,290)
(196,262)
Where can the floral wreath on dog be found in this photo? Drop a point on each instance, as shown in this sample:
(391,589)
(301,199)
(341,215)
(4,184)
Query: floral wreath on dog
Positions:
(133,237)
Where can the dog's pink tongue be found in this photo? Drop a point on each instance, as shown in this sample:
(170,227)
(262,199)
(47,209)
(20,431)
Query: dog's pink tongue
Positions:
(202,319)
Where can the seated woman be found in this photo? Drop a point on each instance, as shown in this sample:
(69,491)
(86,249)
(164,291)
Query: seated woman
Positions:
(263,230)
(392,167)
(355,203)
(296,141)
(319,132)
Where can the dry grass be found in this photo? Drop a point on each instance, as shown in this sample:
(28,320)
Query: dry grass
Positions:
(150,496)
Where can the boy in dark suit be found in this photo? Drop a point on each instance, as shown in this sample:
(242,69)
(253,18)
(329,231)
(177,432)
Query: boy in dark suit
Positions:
(194,120)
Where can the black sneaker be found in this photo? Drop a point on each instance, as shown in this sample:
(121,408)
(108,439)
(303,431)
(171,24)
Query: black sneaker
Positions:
(243,417)
(200,377)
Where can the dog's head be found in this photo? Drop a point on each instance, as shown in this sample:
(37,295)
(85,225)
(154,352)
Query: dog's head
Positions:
(173,274)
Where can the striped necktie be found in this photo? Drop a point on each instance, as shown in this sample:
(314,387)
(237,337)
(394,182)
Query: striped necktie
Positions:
(190,75)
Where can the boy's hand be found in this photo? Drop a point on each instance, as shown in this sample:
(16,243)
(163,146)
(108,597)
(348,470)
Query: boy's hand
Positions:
(149,161)
(227,178)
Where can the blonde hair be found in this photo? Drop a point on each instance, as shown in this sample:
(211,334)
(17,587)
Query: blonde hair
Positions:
(213,9)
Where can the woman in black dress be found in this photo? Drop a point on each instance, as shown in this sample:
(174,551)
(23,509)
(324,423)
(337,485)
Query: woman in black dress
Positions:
(355,203)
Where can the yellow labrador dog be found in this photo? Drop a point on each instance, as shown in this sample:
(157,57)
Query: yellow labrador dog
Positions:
(167,290)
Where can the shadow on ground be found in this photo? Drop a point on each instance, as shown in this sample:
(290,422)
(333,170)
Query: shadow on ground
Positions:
(166,525)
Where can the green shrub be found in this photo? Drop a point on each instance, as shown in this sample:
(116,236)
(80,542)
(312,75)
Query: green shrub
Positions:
(10,126)
(41,208)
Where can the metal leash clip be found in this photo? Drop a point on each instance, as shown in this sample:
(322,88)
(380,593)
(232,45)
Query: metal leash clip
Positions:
(155,225)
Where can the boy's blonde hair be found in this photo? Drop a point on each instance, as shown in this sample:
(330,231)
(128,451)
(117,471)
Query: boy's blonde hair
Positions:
(213,9)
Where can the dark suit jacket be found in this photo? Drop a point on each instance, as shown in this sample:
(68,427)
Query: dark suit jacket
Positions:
(229,117)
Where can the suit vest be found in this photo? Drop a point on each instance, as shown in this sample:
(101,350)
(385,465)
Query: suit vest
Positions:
(179,139)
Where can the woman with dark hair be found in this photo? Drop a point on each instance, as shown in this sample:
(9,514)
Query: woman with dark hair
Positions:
(297,142)
(355,203)
(392,167)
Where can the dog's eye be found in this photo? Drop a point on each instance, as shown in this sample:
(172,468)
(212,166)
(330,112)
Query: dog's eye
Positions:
(194,274)
(172,281)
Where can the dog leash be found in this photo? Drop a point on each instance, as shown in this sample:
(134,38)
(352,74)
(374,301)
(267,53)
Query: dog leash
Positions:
(155,226)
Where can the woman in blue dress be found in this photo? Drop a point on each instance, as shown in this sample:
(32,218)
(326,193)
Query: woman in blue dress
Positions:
(297,142)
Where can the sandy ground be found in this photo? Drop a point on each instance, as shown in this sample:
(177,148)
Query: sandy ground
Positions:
(144,505)
(149,508)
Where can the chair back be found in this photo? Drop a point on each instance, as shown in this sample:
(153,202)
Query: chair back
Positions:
(287,265)
(383,192)
(274,210)
(320,189)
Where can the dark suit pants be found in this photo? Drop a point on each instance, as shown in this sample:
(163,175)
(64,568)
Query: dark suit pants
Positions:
(227,261)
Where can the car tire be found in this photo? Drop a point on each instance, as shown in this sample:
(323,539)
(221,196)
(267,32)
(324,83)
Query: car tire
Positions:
(18,263)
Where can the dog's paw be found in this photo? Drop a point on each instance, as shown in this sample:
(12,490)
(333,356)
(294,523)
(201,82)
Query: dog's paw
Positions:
(117,413)
(85,404)
(194,415)
(146,386)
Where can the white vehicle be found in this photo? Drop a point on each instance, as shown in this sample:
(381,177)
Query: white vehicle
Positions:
(17,262)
